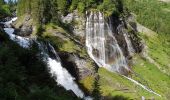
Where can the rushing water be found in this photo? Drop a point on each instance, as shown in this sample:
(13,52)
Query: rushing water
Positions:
(127,39)
(102,45)
(62,76)
(24,42)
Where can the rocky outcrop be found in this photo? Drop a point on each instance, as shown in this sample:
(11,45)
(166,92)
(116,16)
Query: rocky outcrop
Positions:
(132,27)
(76,22)
(24,27)
(77,66)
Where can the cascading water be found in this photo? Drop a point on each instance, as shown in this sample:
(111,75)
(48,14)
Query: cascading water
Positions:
(102,46)
(127,39)
(24,42)
(63,77)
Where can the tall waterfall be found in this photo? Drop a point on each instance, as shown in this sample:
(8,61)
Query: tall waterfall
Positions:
(103,47)
(101,44)
(62,76)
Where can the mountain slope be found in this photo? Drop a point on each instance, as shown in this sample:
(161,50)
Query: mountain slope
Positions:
(65,25)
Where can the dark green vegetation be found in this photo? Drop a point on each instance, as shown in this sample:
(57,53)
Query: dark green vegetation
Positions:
(4,9)
(23,75)
(44,11)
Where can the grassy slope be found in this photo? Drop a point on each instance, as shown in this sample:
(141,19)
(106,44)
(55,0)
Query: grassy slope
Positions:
(151,13)
(155,15)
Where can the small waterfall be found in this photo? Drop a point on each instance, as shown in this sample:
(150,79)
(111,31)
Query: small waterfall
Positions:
(62,76)
(129,45)
(144,87)
(22,41)
(8,23)
(127,39)
(101,44)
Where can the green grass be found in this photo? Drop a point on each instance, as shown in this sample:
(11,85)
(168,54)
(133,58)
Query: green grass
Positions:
(151,13)
(155,79)
(159,49)
(112,84)
(88,83)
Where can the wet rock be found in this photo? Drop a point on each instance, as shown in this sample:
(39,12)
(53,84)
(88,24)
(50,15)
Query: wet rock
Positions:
(24,30)
(77,66)
(24,27)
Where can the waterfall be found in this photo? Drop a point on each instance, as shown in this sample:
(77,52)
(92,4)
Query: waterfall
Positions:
(130,48)
(102,45)
(62,76)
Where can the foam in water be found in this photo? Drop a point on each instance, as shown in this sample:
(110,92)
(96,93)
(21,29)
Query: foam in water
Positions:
(101,44)
(62,76)
(8,24)
(24,42)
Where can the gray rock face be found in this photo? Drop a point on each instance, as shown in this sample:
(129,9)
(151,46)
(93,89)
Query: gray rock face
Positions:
(82,66)
(24,27)
(77,23)
(77,66)
(24,31)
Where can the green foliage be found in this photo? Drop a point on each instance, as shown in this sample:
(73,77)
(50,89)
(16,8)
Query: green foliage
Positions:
(62,5)
(108,7)
(153,77)
(42,11)
(81,7)
(2,2)
(88,83)
(151,13)
(4,9)
(74,4)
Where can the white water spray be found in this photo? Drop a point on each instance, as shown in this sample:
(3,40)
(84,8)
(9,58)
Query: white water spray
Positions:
(63,77)
(130,48)
(103,48)
(101,44)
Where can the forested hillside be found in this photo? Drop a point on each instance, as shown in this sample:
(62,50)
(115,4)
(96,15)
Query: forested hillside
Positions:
(84,50)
